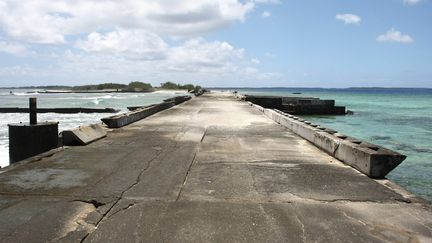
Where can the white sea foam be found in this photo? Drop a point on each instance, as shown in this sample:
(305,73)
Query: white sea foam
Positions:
(67,121)
(4,155)
(172,92)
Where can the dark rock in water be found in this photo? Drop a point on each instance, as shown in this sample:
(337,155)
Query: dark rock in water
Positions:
(413,148)
(380,138)
(349,112)
(132,108)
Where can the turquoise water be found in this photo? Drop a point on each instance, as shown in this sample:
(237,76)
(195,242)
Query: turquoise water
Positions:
(399,119)
(19,98)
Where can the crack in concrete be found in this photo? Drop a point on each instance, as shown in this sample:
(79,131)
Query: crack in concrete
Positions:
(94,202)
(205,133)
(352,218)
(303,229)
(336,149)
(122,209)
(186,177)
(137,180)
(294,199)
(190,167)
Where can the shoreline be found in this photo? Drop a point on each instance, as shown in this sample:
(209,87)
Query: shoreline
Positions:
(37,91)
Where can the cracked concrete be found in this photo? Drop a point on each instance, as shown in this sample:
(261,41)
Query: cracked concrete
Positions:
(209,170)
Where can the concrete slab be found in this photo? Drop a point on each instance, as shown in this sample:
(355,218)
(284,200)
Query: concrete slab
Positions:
(209,170)
(282,182)
(196,222)
(43,220)
(83,135)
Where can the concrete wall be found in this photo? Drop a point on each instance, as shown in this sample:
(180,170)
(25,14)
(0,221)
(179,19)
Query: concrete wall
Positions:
(136,115)
(83,135)
(373,160)
(140,113)
(298,105)
(178,99)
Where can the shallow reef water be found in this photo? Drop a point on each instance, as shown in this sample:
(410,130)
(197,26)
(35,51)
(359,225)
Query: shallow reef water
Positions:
(399,119)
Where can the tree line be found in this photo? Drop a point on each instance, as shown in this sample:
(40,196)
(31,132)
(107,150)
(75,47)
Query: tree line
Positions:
(132,86)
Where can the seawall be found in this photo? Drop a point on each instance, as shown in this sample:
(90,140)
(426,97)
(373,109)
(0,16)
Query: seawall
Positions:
(373,160)
(210,169)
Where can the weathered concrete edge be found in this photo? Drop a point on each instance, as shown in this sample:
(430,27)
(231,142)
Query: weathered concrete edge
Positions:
(83,135)
(407,195)
(373,160)
(127,118)
(32,159)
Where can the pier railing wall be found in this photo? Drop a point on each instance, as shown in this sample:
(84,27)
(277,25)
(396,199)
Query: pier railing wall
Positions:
(373,160)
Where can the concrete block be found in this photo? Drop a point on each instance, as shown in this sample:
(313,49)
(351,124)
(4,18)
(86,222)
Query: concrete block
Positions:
(27,140)
(136,115)
(83,135)
(326,142)
(178,99)
(370,159)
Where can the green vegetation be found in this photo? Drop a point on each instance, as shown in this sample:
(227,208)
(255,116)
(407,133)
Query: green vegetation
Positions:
(132,86)
(100,86)
(171,85)
(139,85)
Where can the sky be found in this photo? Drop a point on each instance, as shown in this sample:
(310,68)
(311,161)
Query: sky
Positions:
(217,43)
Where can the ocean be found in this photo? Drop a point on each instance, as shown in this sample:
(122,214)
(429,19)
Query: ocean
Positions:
(399,119)
(67,121)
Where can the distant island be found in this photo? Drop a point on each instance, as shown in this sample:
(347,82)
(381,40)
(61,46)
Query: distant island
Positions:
(134,86)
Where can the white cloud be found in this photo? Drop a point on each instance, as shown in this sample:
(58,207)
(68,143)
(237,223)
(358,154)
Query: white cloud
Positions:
(194,59)
(393,35)
(412,2)
(114,40)
(269,54)
(265,14)
(137,44)
(12,48)
(198,55)
(348,18)
(267,1)
(50,22)
(255,61)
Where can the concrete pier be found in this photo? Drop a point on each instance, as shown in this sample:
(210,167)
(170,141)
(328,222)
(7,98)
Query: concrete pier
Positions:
(212,169)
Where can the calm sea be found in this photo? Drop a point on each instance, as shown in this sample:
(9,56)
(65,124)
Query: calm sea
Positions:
(19,98)
(399,119)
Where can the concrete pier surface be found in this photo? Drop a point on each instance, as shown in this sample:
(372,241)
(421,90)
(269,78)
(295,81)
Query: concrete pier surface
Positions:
(212,169)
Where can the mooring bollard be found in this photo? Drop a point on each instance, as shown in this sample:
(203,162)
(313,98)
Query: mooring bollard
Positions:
(29,139)
(33,110)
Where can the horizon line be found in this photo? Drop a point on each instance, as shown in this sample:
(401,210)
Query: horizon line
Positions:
(246,87)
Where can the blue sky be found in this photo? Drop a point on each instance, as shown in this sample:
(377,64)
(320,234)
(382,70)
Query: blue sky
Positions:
(250,43)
